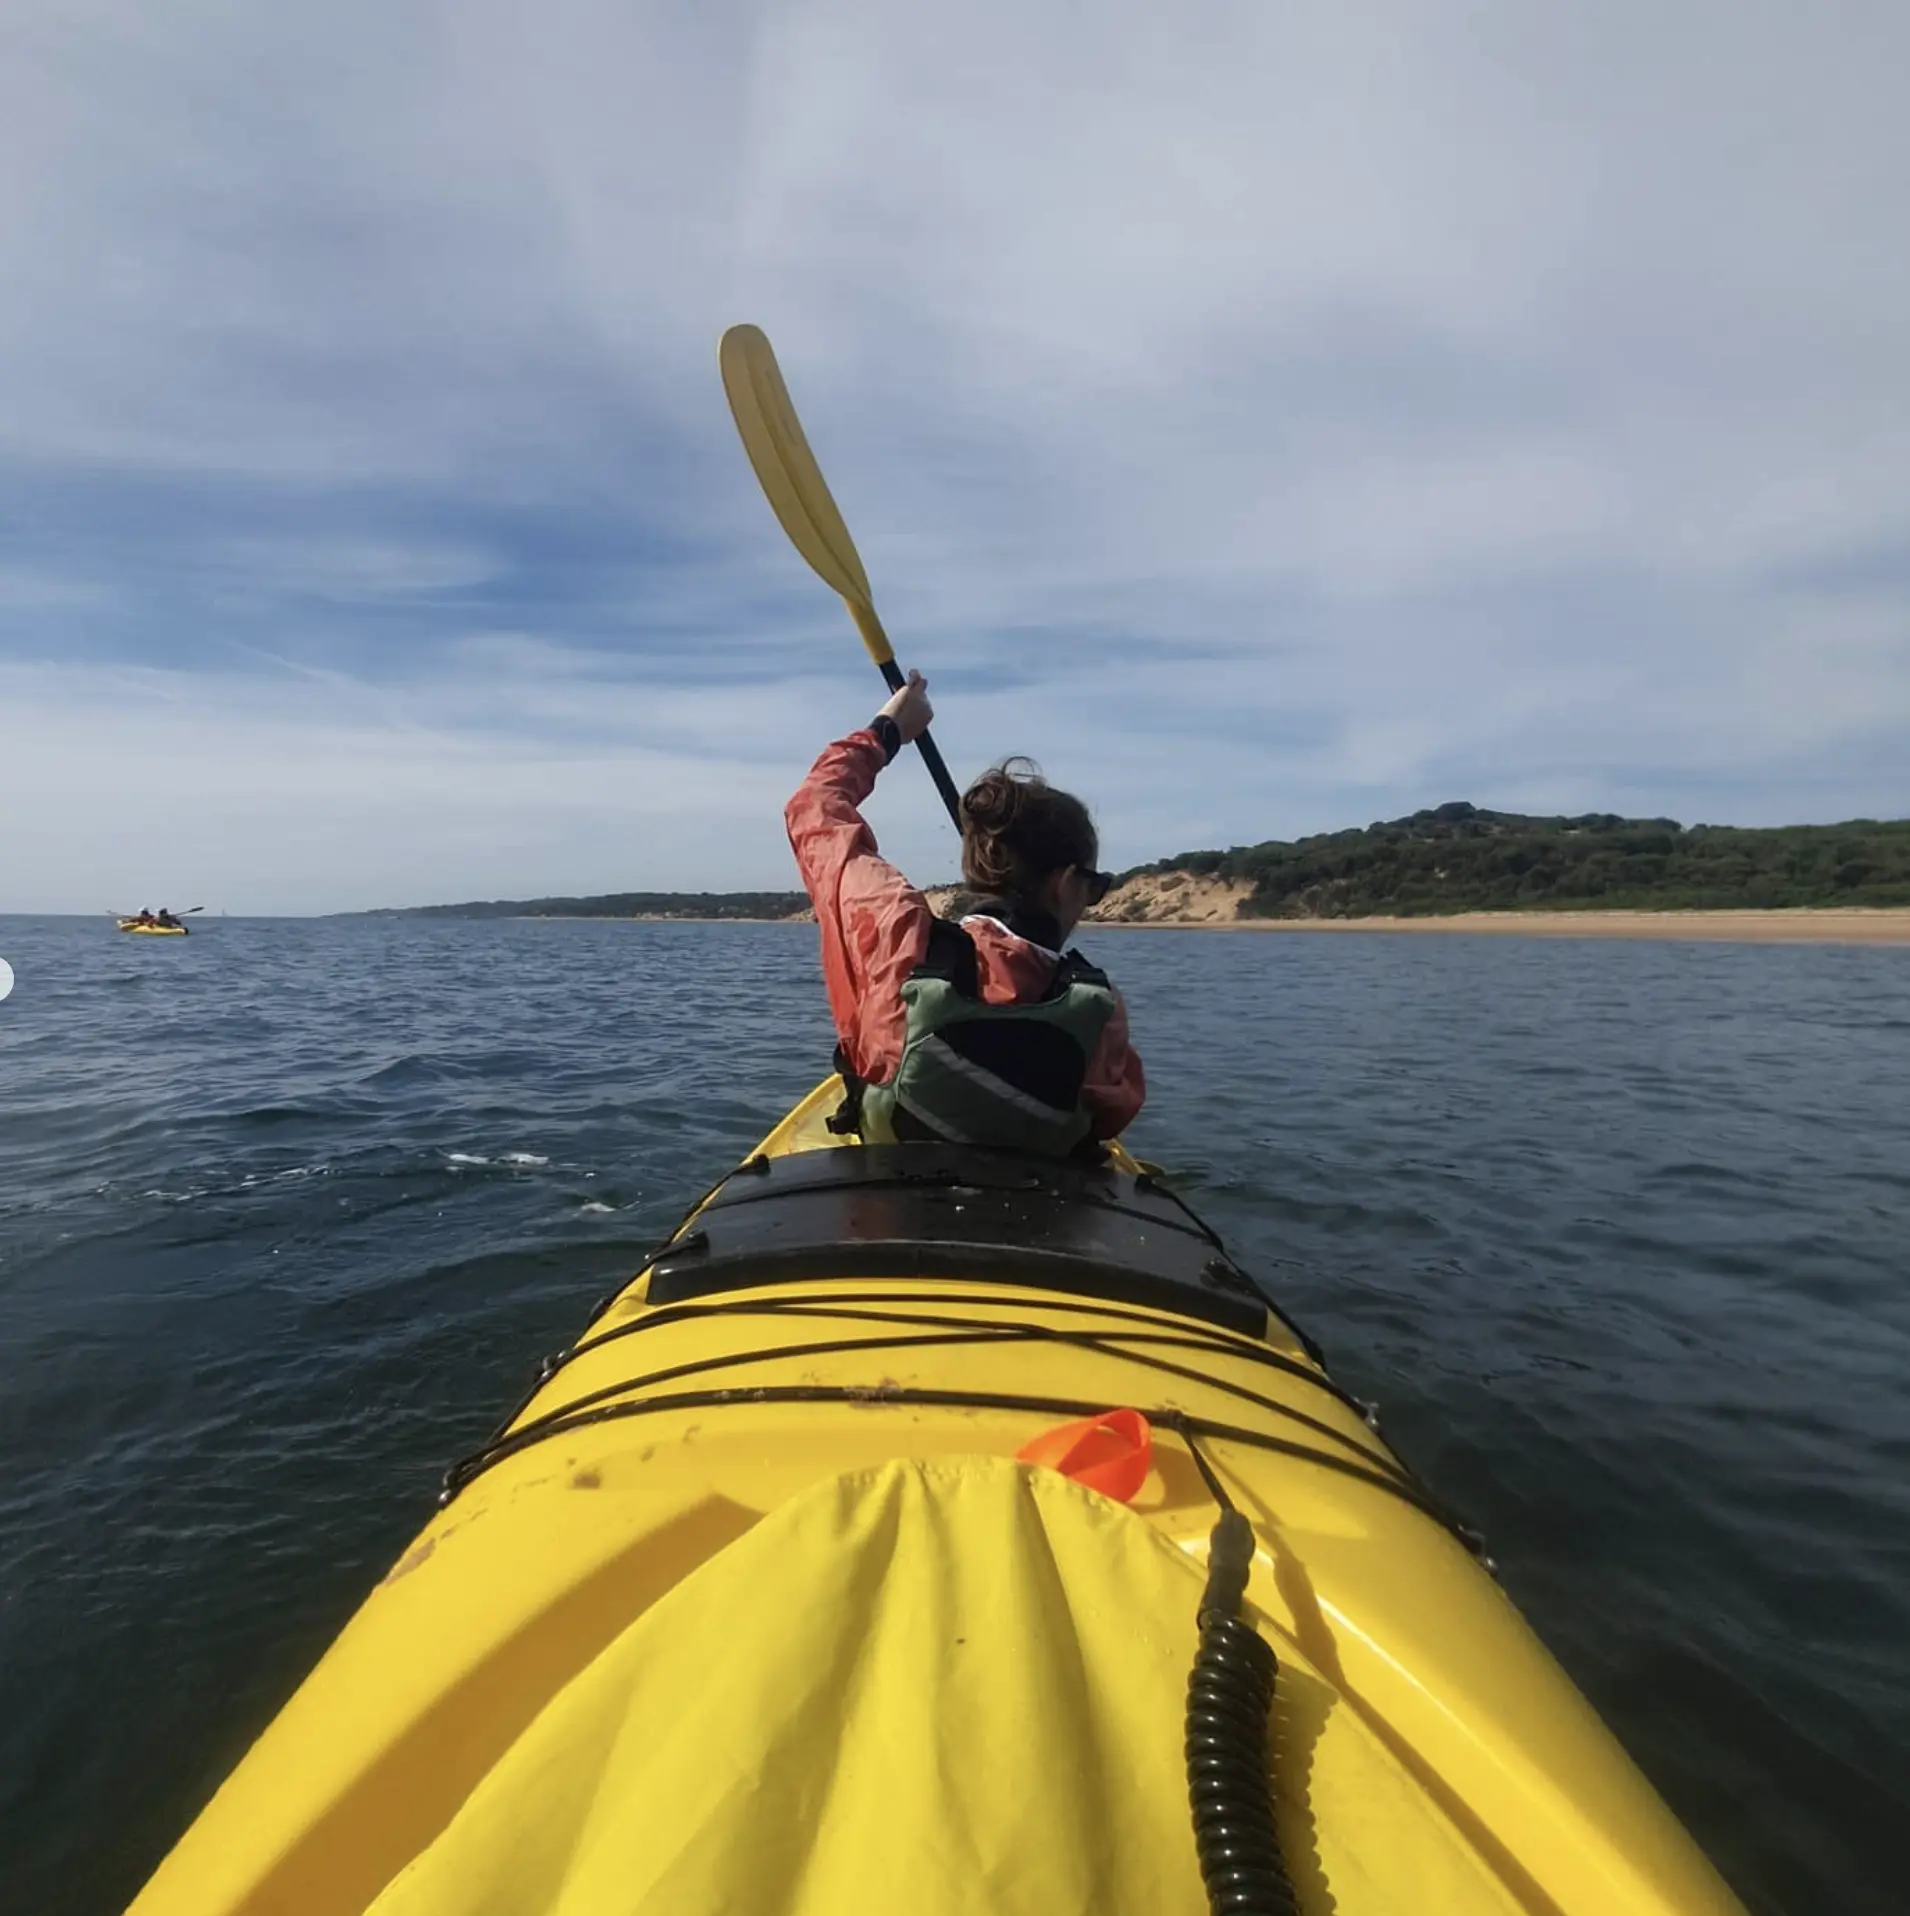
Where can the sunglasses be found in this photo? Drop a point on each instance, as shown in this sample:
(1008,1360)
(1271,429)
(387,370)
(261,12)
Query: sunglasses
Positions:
(1097,883)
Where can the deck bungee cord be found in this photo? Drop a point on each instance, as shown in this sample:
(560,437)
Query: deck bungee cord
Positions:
(1230,1694)
(1166,1331)
(587,1411)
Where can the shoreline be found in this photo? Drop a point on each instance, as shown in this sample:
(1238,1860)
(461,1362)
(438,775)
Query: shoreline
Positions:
(1798,925)
(638,918)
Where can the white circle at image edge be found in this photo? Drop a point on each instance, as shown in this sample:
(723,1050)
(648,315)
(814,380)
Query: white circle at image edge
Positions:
(6,977)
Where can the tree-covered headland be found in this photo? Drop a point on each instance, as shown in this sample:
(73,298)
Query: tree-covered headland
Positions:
(1459,857)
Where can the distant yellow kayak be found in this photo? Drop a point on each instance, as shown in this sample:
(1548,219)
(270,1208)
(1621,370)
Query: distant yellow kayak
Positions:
(854,1558)
(152,931)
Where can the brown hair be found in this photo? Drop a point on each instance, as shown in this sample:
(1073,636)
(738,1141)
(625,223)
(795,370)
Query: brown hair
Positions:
(1017,830)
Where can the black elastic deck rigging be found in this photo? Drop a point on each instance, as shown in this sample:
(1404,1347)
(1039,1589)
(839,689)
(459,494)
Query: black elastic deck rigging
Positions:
(946,1211)
(917,1212)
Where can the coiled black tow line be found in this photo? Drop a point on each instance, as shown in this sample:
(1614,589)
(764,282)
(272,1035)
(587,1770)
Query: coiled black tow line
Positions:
(1229,1706)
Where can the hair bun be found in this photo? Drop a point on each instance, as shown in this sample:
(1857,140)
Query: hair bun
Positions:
(1017,830)
(990,804)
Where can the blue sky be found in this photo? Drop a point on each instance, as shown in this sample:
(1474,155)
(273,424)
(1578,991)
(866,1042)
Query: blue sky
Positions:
(1271,417)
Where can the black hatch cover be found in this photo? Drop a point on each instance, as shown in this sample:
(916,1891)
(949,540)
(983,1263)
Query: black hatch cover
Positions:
(952,1212)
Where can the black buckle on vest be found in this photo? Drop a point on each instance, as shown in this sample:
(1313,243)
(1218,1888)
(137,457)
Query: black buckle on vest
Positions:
(846,1122)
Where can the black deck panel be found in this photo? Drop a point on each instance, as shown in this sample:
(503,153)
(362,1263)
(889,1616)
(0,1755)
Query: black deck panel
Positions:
(951,1212)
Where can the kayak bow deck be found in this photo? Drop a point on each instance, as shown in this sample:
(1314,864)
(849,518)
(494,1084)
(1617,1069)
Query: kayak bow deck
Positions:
(750,1606)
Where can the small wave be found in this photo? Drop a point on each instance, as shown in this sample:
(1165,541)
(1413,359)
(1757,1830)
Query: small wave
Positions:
(1696,1171)
(416,1068)
(266,1115)
(465,1157)
(591,1208)
(522,1157)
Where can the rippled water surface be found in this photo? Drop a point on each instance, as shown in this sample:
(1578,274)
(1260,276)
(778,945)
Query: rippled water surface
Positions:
(1618,1233)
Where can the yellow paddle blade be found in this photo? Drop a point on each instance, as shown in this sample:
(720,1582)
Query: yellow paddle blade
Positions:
(791,479)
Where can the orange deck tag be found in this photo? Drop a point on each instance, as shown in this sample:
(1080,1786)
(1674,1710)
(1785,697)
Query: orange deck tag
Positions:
(1109,1453)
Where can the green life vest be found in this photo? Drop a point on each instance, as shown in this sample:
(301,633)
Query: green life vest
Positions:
(1008,1076)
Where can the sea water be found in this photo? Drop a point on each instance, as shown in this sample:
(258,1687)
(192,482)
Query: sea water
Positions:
(1618,1234)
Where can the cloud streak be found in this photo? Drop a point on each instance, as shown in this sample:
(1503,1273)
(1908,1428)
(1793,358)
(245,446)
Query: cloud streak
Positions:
(1272,419)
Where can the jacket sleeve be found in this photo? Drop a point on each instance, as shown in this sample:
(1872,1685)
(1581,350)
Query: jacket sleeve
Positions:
(874,923)
(1115,1087)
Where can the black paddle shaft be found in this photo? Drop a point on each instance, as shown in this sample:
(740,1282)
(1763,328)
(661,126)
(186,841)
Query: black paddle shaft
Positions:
(931,753)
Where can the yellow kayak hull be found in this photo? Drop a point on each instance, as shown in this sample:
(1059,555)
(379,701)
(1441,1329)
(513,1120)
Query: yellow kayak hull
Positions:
(151,931)
(741,1421)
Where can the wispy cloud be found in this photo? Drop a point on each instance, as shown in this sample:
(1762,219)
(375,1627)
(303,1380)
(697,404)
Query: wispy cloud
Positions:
(1273,417)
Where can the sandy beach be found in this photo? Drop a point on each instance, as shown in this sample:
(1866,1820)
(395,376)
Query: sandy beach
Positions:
(1847,926)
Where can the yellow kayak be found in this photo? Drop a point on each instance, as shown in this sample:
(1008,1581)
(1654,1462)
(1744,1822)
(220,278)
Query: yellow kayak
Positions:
(152,931)
(856,1557)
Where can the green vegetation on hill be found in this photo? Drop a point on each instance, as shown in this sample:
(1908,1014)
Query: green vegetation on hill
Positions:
(625,904)
(1459,858)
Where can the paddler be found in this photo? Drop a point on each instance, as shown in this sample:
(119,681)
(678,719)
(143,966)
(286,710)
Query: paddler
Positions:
(986,1032)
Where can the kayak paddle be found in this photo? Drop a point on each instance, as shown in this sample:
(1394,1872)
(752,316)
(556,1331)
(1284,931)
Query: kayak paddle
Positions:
(794,485)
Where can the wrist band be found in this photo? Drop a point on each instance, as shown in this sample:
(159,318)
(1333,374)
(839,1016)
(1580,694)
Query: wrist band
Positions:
(888,735)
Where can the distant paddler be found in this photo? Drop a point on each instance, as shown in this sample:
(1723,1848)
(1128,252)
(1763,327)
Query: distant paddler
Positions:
(161,922)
